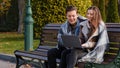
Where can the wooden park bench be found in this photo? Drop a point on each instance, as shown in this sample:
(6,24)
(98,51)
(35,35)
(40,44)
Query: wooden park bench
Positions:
(38,57)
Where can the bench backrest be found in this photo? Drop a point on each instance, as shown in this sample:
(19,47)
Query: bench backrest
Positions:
(49,34)
(114,37)
(50,31)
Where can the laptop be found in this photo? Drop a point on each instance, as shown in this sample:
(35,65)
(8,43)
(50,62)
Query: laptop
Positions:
(71,41)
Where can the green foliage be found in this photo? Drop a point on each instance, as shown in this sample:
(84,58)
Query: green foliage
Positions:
(119,7)
(102,9)
(109,12)
(95,2)
(4,6)
(53,11)
(112,15)
(12,16)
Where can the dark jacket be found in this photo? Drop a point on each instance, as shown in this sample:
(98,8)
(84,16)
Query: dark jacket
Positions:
(66,29)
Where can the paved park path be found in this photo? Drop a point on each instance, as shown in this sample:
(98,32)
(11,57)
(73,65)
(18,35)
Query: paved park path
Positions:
(7,61)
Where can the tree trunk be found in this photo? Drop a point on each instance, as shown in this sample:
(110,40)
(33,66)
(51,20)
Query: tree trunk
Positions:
(119,6)
(21,7)
(3,19)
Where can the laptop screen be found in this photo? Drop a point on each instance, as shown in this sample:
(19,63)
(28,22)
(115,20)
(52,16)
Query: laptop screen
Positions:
(71,41)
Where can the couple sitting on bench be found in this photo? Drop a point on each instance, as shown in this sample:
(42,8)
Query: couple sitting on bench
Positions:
(92,34)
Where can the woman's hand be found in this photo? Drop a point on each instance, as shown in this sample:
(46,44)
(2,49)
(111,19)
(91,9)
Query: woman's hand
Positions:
(84,45)
(88,45)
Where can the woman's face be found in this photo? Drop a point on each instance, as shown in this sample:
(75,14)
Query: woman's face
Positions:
(90,15)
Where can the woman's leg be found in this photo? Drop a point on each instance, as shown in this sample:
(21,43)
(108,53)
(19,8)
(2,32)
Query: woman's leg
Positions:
(63,59)
(73,57)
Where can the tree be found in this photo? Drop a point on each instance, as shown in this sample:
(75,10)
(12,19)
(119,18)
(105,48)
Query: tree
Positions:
(4,7)
(21,7)
(102,9)
(119,6)
(12,16)
(112,15)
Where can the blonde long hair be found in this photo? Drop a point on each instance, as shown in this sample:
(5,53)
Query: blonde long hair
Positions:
(97,16)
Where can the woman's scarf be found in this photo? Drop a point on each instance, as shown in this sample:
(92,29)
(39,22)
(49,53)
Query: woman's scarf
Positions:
(96,55)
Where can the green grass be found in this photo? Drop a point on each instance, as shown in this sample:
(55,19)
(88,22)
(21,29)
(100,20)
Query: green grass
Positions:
(11,41)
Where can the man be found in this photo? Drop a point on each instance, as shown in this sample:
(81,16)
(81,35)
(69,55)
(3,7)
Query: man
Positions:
(70,27)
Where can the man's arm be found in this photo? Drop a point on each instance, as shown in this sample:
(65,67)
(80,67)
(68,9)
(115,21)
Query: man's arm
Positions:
(60,43)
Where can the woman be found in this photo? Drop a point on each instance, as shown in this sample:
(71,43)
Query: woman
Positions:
(94,39)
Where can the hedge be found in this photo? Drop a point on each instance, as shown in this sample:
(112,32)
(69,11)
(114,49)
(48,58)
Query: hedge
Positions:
(53,11)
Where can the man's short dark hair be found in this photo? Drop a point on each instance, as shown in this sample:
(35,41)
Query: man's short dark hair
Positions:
(71,8)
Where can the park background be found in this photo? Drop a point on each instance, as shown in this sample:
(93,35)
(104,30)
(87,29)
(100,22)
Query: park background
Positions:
(13,12)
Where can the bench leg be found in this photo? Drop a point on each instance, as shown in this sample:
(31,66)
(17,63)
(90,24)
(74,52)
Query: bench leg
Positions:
(29,63)
(18,58)
(46,64)
(17,61)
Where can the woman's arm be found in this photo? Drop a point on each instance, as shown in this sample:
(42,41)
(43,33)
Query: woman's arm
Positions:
(91,42)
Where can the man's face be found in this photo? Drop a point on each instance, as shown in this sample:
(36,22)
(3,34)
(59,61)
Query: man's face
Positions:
(72,16)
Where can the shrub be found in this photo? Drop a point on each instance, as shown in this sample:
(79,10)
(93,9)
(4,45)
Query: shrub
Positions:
(53,11)
(102,9)
(112,15)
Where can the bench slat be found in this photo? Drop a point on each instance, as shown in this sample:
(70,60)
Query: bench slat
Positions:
(33,56)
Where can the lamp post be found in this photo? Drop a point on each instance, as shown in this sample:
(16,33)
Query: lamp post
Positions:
(28,28)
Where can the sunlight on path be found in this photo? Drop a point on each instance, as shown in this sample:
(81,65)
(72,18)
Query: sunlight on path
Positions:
(6,64)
